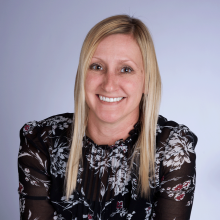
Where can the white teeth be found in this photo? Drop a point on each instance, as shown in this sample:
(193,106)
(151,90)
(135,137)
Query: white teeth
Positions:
(106,99)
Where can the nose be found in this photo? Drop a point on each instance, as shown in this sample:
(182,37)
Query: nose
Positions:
(110,82)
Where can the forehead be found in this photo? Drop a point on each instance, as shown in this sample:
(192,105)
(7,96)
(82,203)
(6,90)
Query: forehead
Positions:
(119,46)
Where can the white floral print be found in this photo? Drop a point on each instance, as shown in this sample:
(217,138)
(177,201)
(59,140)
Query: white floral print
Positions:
(106,186)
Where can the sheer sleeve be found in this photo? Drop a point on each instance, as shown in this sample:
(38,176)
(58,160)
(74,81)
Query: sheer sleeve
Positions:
(34,178)
(174,198)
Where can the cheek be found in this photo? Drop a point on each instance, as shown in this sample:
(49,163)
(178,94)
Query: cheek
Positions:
(91,83)
(134,86)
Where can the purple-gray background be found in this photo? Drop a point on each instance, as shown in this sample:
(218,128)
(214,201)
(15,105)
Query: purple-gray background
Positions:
(40,42)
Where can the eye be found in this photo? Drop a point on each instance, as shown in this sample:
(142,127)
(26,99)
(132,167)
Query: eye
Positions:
(95,66)
(126,69)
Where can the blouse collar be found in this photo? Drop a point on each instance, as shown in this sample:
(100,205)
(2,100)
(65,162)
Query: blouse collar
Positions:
(130,140)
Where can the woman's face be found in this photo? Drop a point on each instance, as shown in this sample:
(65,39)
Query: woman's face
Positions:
(115,80)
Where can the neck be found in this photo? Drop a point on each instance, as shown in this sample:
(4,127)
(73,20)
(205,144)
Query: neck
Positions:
(103,133)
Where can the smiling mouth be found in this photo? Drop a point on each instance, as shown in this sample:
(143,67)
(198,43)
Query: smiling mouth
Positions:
(107,99)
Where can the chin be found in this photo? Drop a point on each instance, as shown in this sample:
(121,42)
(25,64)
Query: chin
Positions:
(109,117)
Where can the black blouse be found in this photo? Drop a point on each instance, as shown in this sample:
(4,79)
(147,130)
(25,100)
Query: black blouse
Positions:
(106,186)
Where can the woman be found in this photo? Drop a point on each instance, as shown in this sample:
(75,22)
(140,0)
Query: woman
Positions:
(132,163)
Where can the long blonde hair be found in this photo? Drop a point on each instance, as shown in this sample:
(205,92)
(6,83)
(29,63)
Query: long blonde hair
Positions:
(149,105)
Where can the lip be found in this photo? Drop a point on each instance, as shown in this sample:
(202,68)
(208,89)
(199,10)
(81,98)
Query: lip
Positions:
(109,103)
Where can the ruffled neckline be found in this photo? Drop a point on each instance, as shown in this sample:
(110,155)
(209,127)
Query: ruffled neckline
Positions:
(131,139)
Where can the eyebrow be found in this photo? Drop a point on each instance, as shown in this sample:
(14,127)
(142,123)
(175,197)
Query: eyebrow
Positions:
(120,61)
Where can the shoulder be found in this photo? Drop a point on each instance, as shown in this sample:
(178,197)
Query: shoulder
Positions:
(59,121)
(175,144)
(168,130)
(52,123)
(42,135)
(46,140)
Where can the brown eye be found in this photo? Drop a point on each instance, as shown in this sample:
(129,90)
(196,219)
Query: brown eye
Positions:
(126,69)
(95,66)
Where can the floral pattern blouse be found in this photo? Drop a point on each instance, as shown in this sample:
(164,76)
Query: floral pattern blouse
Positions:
(106,186)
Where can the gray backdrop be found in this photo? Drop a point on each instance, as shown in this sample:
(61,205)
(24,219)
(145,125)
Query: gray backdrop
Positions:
(40,43)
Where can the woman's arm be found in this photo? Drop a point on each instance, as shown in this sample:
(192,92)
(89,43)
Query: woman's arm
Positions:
(177,171)
(34,178)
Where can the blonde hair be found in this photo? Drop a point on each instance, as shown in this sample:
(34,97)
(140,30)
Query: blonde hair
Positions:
(149,105)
